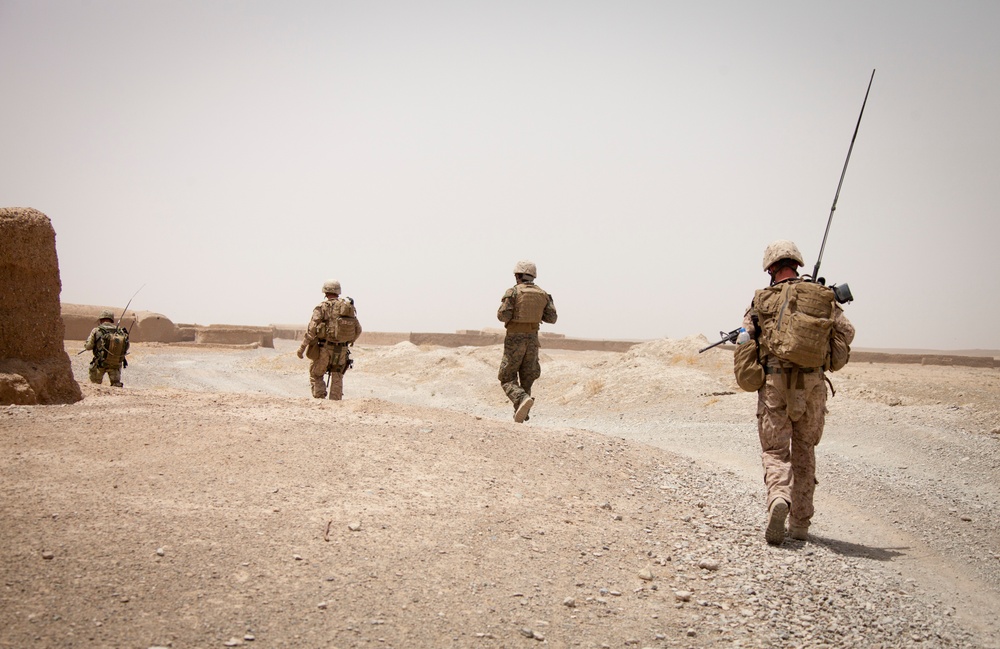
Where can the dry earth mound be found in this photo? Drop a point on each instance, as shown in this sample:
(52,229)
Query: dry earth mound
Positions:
(34,367)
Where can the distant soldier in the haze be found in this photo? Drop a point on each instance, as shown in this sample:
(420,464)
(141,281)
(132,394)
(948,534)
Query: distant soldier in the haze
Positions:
(802,332)
(332,329)
(522,309)
(110,345)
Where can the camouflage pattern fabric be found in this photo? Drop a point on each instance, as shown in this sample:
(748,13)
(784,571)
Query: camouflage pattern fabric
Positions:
(507,315)
(97,369)
(791,412)
(334,357)
(519,367)
(114,375)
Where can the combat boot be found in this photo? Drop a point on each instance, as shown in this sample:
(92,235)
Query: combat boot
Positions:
(775,532)
(522,408)
(798,533)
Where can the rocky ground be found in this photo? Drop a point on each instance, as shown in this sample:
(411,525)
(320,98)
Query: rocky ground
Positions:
(212,503)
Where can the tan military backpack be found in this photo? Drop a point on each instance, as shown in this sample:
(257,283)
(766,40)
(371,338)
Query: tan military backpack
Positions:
(343,324)
(796,321)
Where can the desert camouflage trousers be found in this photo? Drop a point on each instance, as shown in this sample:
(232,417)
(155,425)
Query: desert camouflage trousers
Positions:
(519,366)
(791,411)
(114,375)
(333,357)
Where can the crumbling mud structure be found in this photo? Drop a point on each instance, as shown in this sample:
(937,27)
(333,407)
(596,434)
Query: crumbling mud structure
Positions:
(34,366)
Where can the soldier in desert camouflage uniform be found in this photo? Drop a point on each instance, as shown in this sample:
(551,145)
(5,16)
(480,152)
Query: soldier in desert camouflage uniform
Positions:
(326,342)
(791,405)
(522,309)
(103,361)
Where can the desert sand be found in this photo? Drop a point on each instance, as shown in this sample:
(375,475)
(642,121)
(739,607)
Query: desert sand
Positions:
(212,502)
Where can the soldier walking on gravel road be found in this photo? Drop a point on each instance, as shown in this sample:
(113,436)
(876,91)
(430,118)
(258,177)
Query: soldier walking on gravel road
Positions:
(801,332)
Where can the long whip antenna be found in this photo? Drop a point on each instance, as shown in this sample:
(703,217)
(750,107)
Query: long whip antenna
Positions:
(833,208)
(117,324)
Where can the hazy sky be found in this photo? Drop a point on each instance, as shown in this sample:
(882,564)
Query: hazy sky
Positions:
(231,156)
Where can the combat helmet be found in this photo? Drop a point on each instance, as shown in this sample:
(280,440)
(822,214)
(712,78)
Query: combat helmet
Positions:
(525,268)
(331,286)
(782,249)
(107,314)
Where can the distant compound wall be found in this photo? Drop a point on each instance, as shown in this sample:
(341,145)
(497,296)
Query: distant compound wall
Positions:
(924,359)
(34,366)
(232,335)
(143,326)
(467,338)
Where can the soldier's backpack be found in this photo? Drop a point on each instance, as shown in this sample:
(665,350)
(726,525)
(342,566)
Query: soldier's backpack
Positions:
(343,324)
(797,321)
(112,347)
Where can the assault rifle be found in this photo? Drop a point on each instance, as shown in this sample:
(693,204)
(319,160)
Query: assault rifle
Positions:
(726,338)
(841,292)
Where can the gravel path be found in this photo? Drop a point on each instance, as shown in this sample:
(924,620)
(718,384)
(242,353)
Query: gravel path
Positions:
(905,552)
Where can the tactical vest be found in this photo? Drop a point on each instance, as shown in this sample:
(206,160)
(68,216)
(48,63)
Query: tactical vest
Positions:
(529,304)
(340,322)
(796,321)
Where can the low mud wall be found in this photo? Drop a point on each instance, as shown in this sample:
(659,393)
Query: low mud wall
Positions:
(467,338)
(231,335)
(924,359)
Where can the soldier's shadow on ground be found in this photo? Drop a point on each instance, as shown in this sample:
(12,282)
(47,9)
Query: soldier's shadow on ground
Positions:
(848,549)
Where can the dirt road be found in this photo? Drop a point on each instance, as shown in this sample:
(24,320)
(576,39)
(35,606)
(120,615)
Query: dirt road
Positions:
(212,503)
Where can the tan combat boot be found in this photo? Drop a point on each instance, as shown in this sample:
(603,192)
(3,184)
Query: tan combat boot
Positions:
(798,533)
(522,409)
(775,532)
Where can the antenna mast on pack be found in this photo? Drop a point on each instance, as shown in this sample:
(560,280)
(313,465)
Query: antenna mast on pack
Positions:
(815,273)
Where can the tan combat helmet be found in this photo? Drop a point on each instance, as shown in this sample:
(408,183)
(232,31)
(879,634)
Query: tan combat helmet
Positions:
(525,268)
(331,286)
(107,314)
(782,249)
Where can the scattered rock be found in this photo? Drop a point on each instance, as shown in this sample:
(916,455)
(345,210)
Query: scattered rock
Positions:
(646,574)
(355,526)
(683,595)
(709,564)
